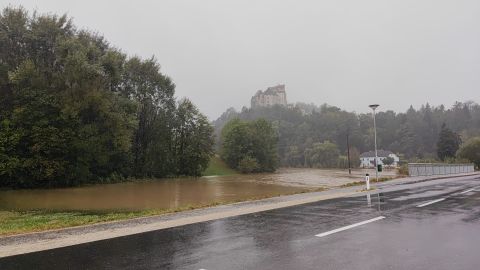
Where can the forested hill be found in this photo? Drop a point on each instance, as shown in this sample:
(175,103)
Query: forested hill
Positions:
(75,109)
(413,133)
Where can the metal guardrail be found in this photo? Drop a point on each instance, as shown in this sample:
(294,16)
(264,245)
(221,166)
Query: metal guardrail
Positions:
(427,169)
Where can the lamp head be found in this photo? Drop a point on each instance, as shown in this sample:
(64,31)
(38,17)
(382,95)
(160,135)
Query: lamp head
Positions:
(373,106)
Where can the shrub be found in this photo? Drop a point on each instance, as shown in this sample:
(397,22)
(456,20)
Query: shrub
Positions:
(471,151)
(248,165)
(403,169)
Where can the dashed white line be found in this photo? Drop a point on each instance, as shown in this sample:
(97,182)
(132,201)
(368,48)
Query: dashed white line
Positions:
(431,202)
(442,199)
(466,191)
(349,226)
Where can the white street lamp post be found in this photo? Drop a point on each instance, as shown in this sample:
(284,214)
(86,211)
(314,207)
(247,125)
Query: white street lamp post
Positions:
(374,106)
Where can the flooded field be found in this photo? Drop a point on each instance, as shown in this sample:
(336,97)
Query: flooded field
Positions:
(300,177)
(179,192)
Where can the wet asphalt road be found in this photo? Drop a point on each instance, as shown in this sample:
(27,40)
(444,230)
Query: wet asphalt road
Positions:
(441,235)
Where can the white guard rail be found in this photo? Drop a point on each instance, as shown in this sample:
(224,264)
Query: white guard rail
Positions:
(427,169)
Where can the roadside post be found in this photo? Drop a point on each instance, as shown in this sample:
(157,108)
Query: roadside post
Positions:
(367,181)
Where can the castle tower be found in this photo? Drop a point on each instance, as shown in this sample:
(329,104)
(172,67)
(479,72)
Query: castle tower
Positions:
(274,95)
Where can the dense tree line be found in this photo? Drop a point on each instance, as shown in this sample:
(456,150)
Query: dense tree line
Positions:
(74,109)
(306,129)
(249,146)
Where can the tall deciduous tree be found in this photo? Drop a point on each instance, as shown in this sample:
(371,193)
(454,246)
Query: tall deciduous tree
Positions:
(193,139)
(153,94)
(68,126)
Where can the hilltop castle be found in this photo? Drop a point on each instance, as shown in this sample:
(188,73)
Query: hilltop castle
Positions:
(272,96)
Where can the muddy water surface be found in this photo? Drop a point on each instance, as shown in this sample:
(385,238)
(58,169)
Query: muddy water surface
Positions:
(173,193)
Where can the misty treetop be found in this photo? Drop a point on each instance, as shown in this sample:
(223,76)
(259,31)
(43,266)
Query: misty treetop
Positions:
(306,129)
(75,109)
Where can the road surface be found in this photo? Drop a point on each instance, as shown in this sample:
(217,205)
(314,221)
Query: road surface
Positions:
(429,226)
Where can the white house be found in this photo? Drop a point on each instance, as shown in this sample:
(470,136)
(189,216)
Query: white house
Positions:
(367,159)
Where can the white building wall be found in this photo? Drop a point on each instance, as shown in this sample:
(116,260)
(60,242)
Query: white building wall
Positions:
(367,162)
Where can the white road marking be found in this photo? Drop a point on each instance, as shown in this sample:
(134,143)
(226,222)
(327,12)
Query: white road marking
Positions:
(431,202)
(349,226)
(466,191)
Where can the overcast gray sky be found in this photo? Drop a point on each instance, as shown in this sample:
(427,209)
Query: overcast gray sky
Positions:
(347,53)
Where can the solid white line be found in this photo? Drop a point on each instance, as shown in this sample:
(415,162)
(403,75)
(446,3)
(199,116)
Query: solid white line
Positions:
(431,202)
(349,226)
(466,191)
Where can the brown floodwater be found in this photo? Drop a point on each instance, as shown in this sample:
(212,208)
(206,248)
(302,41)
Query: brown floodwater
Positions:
(159,194)
(174,193)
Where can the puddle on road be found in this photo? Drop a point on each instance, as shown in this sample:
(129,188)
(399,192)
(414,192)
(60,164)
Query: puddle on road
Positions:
(413,194)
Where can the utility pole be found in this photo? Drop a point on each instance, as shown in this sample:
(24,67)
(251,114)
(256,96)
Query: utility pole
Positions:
(374,106)
(348,152)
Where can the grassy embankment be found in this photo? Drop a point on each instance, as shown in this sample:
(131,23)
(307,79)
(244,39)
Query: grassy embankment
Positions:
(15,222)
(218,167)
